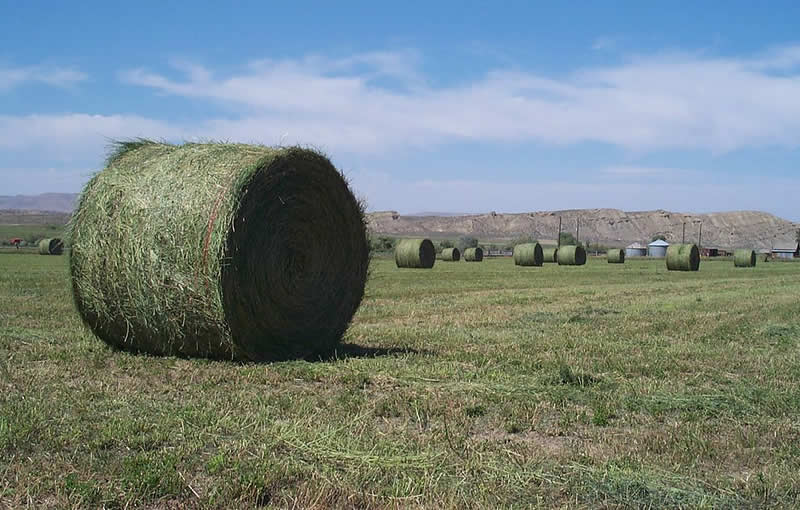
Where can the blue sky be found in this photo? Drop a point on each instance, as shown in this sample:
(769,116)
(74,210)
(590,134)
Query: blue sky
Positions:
(452,106)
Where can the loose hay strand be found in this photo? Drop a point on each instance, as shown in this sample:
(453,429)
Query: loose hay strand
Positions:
(218,250)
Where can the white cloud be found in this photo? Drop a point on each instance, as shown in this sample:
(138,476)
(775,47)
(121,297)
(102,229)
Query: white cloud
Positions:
(55,76)
(649,102)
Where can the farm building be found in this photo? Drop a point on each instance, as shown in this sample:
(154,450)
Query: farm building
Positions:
(786,251)
(657,248)
(709,251)
(635,250)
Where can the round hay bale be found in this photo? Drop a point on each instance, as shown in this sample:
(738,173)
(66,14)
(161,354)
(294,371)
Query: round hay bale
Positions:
(225,251)
(54,246)
(473,254)
(451,255)
(571,256)
(528,254)
(415,253)
(683,257)
(550,254)
(615,256)
(744,258)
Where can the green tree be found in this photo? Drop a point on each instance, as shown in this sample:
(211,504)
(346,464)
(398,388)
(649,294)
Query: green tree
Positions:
(567,239)
(659,237)
(467,242)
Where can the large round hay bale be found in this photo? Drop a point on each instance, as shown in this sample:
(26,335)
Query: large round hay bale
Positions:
(615,256)
(744,258)
(225,251)
(451,255)
(683,257)
(528,254)
(473,254)
(54,246)
(550,254)
(415,253)
(571,256)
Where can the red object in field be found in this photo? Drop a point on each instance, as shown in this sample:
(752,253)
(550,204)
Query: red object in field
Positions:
(16,241)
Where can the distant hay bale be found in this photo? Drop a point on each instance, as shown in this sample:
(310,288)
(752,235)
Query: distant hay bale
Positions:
(473,254)
(451,255)
(615,256)
(528,254)
(54,246)
(744,258)
(571,256)
(683,257)
(550,254)
(415,253)
(224,251)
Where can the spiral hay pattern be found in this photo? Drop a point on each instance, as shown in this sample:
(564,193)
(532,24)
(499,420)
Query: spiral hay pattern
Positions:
(744,258)
(550,254)
(683,257)
(451,255)
(54,246)
(415,253)
(571,256)
(473,254)
(224,251)
(528,254)
(615,256)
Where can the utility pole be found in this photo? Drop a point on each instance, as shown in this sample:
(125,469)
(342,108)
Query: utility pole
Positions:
(577,230)
(700,237)
(683,238)
(559,232)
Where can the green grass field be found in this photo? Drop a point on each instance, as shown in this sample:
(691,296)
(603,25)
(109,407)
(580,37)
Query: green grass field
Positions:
(468,385)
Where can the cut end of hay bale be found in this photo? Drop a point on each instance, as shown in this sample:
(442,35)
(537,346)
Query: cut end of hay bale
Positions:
(550,254)
(615,256)
(451,255)
(571,256)
(528,254)
(744,258)
(683,257)
(473,254)
(225,251)
(54,246)
(415,254)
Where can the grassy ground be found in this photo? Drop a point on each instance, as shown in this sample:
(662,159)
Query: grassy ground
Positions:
(468,385)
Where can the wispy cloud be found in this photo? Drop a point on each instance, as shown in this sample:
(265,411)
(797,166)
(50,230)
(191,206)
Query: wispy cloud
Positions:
(650,102)
(55,76)
(604,43)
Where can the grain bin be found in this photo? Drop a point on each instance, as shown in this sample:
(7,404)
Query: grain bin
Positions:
(657,248)
(744,258)
(571,256)
(528,254)
(415,254)
(473,254)
(683,257)
(225,251)
(635,250)
(451,255)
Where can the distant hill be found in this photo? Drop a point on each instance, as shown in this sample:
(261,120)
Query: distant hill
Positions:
(54,202)
(606,226)
(611,227)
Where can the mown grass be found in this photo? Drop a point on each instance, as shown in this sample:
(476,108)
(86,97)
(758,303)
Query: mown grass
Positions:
(468,385)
